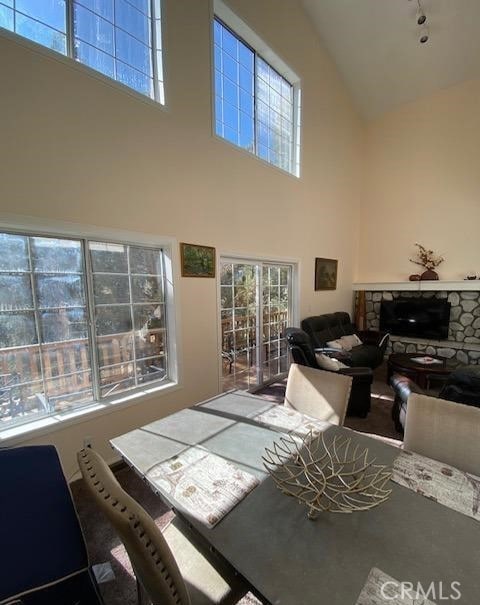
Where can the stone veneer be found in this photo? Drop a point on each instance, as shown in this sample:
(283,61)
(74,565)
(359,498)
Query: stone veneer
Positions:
(463,342)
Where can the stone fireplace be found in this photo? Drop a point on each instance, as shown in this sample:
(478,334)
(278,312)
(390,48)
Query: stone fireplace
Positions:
(463,342)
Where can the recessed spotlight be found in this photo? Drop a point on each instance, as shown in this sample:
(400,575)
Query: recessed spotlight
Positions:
(421,19)
(424,38)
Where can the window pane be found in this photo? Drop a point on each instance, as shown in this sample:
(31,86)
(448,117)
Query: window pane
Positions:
(56,255)
(91,28)
(49,12)
(145,261)
(132,52)
(133,78)
(15,292)
(233,89)
(96,59)
(132,21)
(137,330)
(13,253)
(60,291)
(111,289)
(55,377)
(63,324)
(17,329)
(115,38)
(108,258)
(103,8)
(113,320)
(40,33)
(6,17)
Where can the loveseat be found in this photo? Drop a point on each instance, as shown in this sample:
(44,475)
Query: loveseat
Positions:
(332,326)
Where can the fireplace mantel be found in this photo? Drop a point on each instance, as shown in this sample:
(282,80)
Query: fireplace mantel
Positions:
(420,286)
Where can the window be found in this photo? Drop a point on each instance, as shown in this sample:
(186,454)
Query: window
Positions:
(255,106)
(80,321)
(256,305)
(119,38)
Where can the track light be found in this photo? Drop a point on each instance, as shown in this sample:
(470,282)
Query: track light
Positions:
(422,20)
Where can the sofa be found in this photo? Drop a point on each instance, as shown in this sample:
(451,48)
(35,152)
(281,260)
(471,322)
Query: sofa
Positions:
(331,326)
(462,386)
(302,352)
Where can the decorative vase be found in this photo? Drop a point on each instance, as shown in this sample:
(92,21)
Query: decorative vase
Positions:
(429,274)
(415,277)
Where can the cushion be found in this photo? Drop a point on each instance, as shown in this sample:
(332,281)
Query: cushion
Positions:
(345,343)
(351,341)
(327,363)
(335,344)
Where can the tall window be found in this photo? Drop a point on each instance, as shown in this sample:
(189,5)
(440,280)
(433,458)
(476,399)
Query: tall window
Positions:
(80,321)
(256,301)
(119,38)
(254,104)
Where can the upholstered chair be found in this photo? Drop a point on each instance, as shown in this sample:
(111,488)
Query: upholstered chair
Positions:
(168,565)
(317,393)
(444,430)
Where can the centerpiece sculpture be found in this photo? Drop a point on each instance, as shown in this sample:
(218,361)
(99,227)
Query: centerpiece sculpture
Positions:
(336,477)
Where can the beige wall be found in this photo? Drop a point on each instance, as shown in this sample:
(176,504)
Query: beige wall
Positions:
(423,185)
(74,148)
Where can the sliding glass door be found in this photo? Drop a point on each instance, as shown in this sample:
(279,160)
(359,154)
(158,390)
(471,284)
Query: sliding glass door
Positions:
(255,308)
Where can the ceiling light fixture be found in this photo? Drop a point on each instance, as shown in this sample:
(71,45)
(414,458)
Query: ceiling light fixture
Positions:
(422,20)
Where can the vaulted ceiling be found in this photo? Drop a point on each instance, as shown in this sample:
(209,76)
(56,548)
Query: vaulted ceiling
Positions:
(375,44)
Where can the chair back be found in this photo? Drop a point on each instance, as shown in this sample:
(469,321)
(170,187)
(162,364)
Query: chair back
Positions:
(445,431)
(300,347)
(151,557)
(320,394)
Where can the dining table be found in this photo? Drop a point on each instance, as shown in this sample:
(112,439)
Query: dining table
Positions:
(289,559)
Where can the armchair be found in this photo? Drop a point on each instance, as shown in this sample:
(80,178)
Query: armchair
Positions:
(303,353)
(462,386)
(324,328)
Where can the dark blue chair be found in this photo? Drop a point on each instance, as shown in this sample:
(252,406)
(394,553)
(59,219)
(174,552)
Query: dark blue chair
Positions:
(44,558)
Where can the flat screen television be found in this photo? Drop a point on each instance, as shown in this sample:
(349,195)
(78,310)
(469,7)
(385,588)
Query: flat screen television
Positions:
(420,317)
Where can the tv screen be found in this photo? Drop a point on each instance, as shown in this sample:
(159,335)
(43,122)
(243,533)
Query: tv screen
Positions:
(416,317)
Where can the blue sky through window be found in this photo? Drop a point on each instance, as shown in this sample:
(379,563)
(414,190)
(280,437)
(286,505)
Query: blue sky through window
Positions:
(113,37)
(253,102)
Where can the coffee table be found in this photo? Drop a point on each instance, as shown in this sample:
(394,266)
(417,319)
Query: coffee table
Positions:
(403,363)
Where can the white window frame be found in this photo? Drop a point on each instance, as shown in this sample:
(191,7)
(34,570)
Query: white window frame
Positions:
(242,31)
(255,260)
(85,411)
(159,71)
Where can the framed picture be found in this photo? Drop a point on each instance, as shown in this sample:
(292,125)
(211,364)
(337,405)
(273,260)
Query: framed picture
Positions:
(197,261)
(326,274)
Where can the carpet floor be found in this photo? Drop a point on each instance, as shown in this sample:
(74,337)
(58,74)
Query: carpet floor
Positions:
(105,547)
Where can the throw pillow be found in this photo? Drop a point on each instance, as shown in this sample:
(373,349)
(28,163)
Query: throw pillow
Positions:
(328,363)
(335,344)
(348,342)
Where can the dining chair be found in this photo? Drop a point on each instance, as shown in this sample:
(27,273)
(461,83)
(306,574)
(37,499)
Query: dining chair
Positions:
(444,430)
(318,393)
(169,565)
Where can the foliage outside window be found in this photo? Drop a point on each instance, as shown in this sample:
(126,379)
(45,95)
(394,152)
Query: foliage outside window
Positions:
(80,321)
(121,39)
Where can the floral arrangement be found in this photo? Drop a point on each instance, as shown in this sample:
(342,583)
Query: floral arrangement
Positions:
(427,258)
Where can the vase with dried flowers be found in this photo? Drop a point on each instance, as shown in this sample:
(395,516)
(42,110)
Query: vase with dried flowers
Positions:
(428,260)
